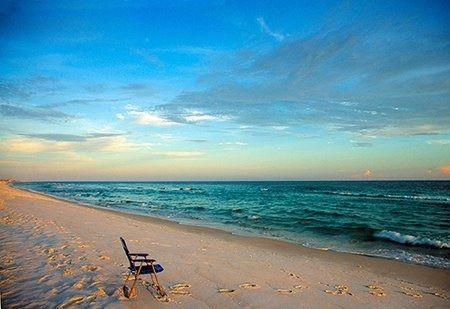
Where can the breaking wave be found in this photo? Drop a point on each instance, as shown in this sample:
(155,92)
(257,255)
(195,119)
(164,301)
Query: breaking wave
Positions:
(411,240)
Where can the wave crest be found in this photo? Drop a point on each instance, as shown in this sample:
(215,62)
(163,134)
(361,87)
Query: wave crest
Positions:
(411,240)
(436,199)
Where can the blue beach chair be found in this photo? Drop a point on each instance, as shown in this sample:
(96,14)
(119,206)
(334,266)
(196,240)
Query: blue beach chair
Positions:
(141,265)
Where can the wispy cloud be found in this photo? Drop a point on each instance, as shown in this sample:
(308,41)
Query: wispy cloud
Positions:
(189,50)
(147,117)
(439,142)
(70,137)
(349,79)
(25,88)
(265,28)
(149,57)
(87,101)
(59,143)
(95,88)
(233,143)
(35,113)
(197,141)
(361,144)
(183,154)
(150,118)
(137,87)
(193,116)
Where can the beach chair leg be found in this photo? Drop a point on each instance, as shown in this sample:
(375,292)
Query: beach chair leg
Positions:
(126,292)
(136,277)
(156,282)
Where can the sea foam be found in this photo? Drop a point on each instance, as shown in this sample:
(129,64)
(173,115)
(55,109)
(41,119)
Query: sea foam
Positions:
(410,239)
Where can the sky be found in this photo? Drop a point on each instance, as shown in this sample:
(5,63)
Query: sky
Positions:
(224,90)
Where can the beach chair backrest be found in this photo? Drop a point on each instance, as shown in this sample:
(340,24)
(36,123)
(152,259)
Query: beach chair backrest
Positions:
(125,248)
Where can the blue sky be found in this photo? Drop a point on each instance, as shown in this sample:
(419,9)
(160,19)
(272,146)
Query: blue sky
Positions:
(217,90)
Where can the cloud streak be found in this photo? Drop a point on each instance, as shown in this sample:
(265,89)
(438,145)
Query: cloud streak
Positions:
(365,79)
(35,113)
(70,137)
(183,154)
(265,28)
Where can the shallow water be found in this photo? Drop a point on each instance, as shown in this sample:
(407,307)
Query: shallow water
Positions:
(406,220)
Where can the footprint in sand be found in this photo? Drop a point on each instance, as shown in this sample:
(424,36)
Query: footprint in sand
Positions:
(339,290)
(72,301)
(291,274)
(95,283)
(68,272)
(414,295)
(180,286)
(300,287)
(50,250)
(79,284)
(100,292)
(376,290)
(223,290)
(180,289)
(294,275)
(45,278)
(284,291)
(249,286)
(89,268)
(439,295)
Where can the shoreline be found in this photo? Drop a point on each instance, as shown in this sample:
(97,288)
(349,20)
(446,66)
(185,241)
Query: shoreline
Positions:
(262,241)
(215,229)
(206,258)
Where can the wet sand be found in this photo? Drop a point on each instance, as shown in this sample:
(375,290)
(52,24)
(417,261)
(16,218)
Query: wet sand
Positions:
(57,253)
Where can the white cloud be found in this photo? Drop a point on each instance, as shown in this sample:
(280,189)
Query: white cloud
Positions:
(24,145)
(279,128)
(439,142)
(149,118)
(198,118)
(106,144)
(167,137)
(183,154)
(426,129)
(265,28)
(233,144)
(120,117)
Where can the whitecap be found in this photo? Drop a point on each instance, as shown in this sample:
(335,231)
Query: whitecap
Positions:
(254,217)
(410,239)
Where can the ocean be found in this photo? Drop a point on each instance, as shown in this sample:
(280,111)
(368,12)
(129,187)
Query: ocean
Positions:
(403,220)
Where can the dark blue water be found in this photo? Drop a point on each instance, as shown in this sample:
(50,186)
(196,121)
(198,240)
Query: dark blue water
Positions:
(406,220)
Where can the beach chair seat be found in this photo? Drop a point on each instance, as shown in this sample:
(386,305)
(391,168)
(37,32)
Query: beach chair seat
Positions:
(141,265)
(148,269)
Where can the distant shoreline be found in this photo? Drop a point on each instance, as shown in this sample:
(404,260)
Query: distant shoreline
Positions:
(225,181)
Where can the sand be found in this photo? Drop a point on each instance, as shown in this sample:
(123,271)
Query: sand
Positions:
(57,253)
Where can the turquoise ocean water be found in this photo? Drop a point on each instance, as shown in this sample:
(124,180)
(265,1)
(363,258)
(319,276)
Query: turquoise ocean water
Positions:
(405,220)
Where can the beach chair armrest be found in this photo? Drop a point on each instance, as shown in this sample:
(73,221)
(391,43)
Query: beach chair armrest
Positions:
(138,254)
(144,261)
